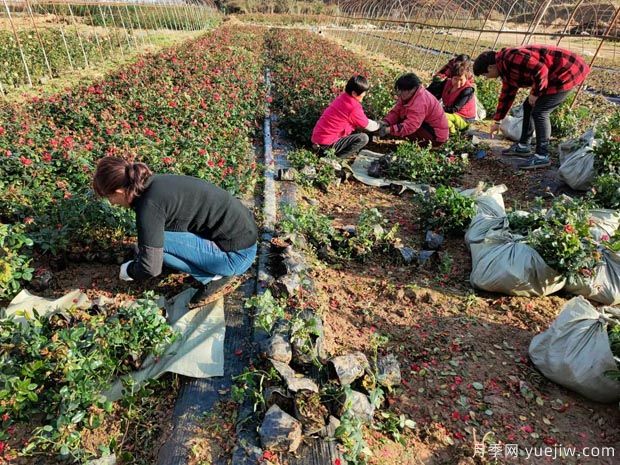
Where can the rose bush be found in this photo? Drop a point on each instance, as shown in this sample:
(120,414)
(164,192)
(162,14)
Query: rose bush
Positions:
(309,72)
(191,109)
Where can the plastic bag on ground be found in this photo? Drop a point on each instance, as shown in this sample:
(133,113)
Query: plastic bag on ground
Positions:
(604,284)
(605,223)
(577,162)
(574,352)
(503,263)
(512,124)
(481,112)
(490,213)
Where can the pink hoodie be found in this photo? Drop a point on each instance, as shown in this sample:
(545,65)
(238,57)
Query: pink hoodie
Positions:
(406,118)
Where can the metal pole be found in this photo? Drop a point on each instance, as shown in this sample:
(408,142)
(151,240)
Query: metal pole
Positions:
(598,49)
(64,38)
(458,42)
(569,21)
(120,41)
(506,16)
(443,45)
(129,24)
(156,17)
(167,13)
(78,35)
(90,16)
(135,10)
(430,45)
(120,15)
(527,38)
(19,44)
(486,20)
(175,15)
(36,31)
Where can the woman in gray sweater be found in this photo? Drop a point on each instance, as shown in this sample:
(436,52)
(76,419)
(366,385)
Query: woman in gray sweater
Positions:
(183,222)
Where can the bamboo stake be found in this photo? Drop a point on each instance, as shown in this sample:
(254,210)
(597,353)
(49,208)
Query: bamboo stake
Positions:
(19,44)
(78,36)
(36,31)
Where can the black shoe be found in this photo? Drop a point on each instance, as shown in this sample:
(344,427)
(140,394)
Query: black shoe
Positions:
(209,292)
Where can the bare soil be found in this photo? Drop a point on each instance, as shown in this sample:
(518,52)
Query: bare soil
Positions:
(463,352)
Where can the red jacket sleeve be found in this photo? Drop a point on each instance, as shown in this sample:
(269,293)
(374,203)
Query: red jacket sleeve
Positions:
(392,117)
(506,98)
(412,122)
(358,118)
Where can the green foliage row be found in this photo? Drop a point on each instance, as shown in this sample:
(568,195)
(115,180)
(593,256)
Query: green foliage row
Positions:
(14,259)
(371,232)
(56,366)
(447,211)
(562,235)
(180,18)
(65,48)
(189,110)
(424,165)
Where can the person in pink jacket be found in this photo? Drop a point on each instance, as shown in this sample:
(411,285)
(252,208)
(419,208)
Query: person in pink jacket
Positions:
(417,115)
(335,128)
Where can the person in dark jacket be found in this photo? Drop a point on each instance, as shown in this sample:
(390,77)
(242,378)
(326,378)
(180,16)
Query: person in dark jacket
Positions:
(185,223)
(441,77)
(550,73)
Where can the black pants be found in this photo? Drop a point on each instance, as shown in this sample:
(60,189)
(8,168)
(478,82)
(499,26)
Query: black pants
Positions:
(349,145)
(538,117)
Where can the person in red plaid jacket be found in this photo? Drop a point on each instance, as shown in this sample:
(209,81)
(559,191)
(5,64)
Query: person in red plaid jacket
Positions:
(551,72)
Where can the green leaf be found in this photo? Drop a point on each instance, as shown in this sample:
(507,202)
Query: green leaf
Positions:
(477,386)
(78,417)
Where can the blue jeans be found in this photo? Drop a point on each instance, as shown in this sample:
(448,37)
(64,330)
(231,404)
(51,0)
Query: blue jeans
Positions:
(202,258)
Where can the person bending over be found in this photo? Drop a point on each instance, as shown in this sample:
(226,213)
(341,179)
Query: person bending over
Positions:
(417,115)
(185,223)
(458,98)
(345,114)
(550,73)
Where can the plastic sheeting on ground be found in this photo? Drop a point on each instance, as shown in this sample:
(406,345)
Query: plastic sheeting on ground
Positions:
(360,166)
(502,262)
(198,352)
(512,124)
(604,284)
(577,162)
(574,352)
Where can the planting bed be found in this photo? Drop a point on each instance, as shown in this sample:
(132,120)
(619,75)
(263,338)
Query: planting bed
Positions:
(192,109)
(463,353)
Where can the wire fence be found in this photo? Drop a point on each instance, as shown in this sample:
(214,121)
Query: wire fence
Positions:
(42,39)
(423,34)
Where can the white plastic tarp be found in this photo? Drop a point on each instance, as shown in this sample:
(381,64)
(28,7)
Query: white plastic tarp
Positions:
(574,352)
(577,162)
(360,166)
(198,351)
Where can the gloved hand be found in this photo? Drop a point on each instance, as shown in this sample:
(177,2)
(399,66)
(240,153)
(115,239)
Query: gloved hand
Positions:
(123,274)
(384,129)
